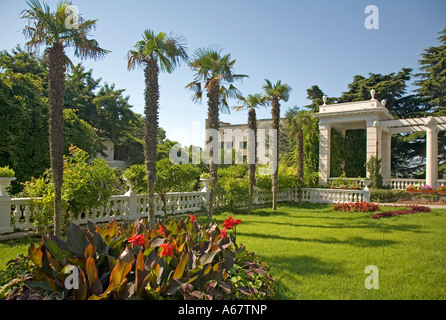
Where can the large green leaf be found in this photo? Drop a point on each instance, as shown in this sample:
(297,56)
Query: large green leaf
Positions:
(58,248)
(181,266)
(92,276)
(76,240)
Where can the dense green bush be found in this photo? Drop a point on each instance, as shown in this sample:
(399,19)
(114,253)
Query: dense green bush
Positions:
(85,186)
(287,178)
(6,172)
(388,195)
(175,260)
(233,184)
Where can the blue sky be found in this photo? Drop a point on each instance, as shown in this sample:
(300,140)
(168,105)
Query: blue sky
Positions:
(302,43)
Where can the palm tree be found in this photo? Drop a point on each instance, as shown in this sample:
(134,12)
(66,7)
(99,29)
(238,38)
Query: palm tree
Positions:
(275,93)
(295,126)
(214,73)
(251,102)
(155,52)
(51,30)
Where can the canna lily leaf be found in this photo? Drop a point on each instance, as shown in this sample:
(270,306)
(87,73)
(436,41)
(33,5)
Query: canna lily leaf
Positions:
(92,275)
(76,240)
(36,254)
(181,266)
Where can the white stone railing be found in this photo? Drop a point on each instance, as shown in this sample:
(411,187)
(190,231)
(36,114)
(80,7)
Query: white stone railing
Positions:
(401,184)
(17,213)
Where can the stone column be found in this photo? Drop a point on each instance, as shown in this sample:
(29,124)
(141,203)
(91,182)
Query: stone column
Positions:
(431,152)
(5,206)
(324,152)
(372,146)
(386,154)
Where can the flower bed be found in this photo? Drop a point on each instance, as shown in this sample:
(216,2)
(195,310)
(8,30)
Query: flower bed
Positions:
(414,209)
(411,188)
(174,260)
(356,207)
(428,189)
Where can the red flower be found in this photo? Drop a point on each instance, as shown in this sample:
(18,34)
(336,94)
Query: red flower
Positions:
(167,249)
(223,233)
(230,223)
(160,230)
(136,239)
(192,217)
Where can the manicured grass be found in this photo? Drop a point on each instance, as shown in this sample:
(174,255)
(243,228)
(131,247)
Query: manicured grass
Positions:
(317,253)
(12,248)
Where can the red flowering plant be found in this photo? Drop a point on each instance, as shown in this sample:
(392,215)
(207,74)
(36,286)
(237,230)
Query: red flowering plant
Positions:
(177,259)
(229,224)
(356,207)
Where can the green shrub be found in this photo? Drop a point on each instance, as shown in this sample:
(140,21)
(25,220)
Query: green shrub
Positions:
(233,184)
(175,260)
(6,172)
(388,195)
(85,186)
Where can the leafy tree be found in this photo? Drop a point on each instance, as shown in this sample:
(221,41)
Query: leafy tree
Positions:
(50,30)
(170,178)
(155,52)
(80,90)
(275,93)
(431,85)
(81,134)
(250,103)
(23,121)
(214,73)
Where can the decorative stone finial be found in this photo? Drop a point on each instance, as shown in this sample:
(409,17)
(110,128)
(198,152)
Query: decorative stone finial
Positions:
(324,98)
(383,102)
(372,93)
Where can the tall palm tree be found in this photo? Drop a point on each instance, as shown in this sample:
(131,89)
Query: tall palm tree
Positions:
(49,29)
(154,52)
(250,103)
(214,73)
(275,93)
(295,126)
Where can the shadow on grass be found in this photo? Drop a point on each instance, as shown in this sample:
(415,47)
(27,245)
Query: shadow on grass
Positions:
(294,267)
(352,241)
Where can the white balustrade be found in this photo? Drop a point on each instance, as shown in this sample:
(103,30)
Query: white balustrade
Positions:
(132,206)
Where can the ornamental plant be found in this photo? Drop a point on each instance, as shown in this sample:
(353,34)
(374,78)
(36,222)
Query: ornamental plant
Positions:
(173,260)
(356,207)
(86,186)
(6,172)
(413,209)
(428,187)
(412,187)
(442,188)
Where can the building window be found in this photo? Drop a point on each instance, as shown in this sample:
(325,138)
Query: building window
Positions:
(243,145)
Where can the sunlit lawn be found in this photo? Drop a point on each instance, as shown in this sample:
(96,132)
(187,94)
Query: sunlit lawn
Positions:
(317,253)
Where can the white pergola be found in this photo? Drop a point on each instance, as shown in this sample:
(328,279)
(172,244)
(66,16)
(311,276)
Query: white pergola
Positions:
(373,116)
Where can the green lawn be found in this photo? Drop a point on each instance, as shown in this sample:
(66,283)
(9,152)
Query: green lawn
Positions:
(317,253)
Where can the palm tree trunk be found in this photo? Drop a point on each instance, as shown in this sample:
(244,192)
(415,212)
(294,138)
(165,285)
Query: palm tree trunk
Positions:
(56,92)
(151,132)
(252,124)
(213,123)
(276,121)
